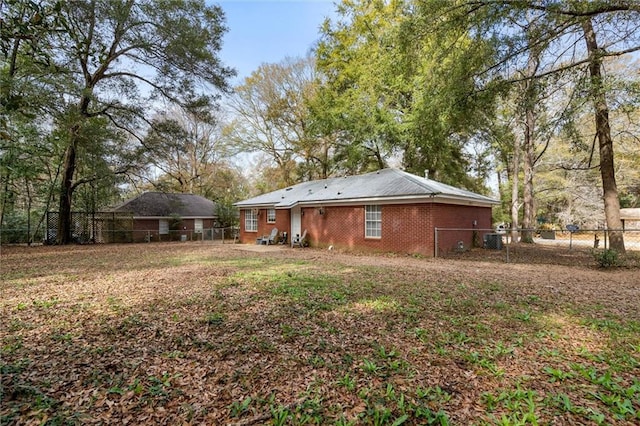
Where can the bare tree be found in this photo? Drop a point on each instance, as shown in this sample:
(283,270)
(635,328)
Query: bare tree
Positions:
(270,116)
(112,49)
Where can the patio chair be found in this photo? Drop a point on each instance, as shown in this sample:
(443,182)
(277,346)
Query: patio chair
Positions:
(271,238)
(298,240)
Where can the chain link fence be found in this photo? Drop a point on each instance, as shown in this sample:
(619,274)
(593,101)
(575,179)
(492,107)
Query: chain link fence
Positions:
(226,235)
(13,235)
(110,227)
(451,241)
(20,236)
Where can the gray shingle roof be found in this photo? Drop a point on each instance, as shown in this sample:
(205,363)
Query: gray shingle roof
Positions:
(382,185)
(160,204)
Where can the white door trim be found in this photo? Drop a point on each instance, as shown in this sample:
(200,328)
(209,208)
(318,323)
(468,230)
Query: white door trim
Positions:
(296,223)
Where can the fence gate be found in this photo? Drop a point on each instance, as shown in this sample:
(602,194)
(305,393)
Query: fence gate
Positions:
(93,227)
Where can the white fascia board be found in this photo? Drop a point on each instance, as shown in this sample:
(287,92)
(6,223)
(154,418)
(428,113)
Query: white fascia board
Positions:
(255,206)
(265,206)
(463,201)
(400,200)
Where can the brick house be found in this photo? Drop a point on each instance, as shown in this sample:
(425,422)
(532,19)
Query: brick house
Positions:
(159,216)
(630,218)
(386,211)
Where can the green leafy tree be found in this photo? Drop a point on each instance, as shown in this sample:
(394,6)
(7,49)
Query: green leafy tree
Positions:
(357,104)
(397,90)
(28,95)
(172,45)
(27,58)
(573,38)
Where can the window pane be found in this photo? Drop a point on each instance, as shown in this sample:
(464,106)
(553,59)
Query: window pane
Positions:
(271,215)
(163,227)
(250,220)
(373,221)
(197,226)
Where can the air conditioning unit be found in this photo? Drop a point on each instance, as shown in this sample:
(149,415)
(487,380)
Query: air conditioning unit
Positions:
(492,241)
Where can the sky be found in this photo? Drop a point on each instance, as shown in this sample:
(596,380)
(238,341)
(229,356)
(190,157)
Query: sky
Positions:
(268,31)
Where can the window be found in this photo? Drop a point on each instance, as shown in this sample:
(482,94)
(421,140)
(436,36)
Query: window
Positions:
(197,226)
(251,220)
(163,227)
(271,215)
(372,221)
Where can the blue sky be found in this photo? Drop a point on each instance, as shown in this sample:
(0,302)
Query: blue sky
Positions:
(267,31)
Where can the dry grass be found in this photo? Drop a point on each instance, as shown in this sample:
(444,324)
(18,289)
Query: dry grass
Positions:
(193,333)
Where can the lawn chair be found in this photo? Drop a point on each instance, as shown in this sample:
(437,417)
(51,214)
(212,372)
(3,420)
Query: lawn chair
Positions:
(271,238)
(300,241)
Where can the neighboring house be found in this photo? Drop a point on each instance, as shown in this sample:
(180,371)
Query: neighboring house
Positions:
(159,216)
(630,218)
(387,211)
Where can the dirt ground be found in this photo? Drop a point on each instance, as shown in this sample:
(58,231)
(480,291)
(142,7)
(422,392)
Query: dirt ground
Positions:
(510,259)
(575,273)
(200,333)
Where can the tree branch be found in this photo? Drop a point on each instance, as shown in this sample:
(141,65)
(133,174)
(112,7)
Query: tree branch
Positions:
(598,8)
(570,168)
(145,80)
(571,65)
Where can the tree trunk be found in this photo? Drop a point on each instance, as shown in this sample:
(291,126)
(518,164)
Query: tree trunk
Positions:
(515,183)
(603,131)
(528,217)
(67,185)
(5,194)
(529,147)
(28,190)
(66,193)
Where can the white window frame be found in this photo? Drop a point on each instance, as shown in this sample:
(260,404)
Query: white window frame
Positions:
(271,215)
(373,221)
(198,226)
(163,227)
(251,220)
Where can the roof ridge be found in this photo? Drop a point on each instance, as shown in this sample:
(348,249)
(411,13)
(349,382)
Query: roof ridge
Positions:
(420,181)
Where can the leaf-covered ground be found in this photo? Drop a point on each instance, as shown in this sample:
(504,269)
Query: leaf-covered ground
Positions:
(193,333)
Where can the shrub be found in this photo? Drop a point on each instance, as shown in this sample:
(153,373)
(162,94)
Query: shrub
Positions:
(607,258)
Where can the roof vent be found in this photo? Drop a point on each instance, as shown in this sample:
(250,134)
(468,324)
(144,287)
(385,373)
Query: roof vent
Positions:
(289,189)
(325,186)
(339,192)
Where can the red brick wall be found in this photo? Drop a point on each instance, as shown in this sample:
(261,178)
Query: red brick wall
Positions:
(283,223)
(336,226)
(463,217)
(140,228)
(406,228)
(246,236)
